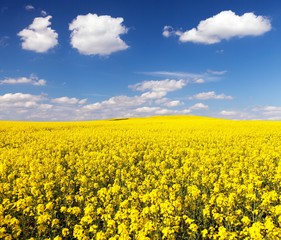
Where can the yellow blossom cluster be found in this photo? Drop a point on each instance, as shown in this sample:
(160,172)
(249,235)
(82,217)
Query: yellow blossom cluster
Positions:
(150,178)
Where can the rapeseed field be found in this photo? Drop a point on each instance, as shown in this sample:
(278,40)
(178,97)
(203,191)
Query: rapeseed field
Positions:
(150,178)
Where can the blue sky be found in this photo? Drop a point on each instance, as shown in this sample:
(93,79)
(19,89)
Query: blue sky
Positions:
(73,60)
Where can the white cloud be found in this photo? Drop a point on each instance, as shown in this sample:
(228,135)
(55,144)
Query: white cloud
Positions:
(209,75)
(19,100)
(29,7)
(186,111)
(147,102)
(153,95)
(44,13)
(228,113)
(67,100)
(211,95)
(167,31)
(15,97)
(38,36)
(117,102)
(93,106)
(20,106)
(272,109)
(165,111)
(147,109)
(273,112)
(167,85)
(199,106)
(178,75)
(33,80)
(97,35)
(199,80)
(242,114)
(174,103)
(45,106)
(224,26)
(150,100)
(143,111)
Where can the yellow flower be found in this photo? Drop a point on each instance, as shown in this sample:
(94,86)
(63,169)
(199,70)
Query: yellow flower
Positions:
(193,227)
(222,233)
(65,232)
(246,221)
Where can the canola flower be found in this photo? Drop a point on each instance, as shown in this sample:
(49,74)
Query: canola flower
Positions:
(150,178)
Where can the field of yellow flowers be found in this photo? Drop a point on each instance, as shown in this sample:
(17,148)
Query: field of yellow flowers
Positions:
(149,178)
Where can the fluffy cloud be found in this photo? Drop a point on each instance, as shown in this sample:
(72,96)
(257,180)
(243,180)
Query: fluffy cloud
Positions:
(97,35)
(33,80)
(228,113)
(199,106)
(67,100)
(224,25)
(151,100)
(211,95)
(148,102)
(153,111)
(142,111)
(242,114)
(38,36)
(174,103)
(117,102)
(167,31)
(272,112)
(147,109)
(153,95)
(167,85)
(19,100)
(40,107)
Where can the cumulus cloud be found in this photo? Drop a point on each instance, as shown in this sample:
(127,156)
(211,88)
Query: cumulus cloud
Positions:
(116,102)
(67,100)
(199,106)
(273,112)
(153,95)
(167,85)
(17,97)
(20,106)
(33,80)
(211,95)
(228,113)
(38,36)
(142,111)
(149,101)
(174,103)
(147,109)
(224,26)
(244,114)
(19,100)
(153,111)
(97,35)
